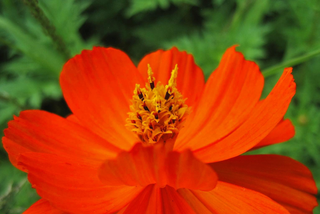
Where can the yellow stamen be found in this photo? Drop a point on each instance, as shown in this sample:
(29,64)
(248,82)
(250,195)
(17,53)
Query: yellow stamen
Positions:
(150,77)
(173,78)
(137,91)
(157,113)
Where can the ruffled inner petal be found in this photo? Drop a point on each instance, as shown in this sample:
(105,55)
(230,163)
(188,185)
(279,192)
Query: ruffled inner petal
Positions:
(154,165)
(155,200)
(281,178)
(225,198)
(98,86)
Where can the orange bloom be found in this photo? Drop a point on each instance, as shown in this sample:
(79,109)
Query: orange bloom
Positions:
(158,139)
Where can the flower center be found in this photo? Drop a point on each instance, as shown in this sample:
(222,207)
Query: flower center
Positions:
(157,112)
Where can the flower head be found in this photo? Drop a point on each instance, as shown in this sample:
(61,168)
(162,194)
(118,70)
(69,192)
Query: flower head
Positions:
(172,146)
(157,112)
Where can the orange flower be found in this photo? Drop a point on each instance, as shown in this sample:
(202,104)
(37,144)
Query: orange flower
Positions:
(134,145)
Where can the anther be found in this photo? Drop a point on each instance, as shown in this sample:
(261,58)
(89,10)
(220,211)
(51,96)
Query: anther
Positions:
(140,96)
(138,91)
(150,77)
(167,95)
(145,107)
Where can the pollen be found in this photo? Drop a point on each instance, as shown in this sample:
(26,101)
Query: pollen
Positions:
(157,112)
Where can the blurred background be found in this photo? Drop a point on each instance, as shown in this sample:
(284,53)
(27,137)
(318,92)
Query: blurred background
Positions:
(38,36)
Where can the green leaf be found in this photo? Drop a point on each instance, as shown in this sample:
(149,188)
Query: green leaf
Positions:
(16,193)
(67,20)
(222,31)
(32,48)
(138,6)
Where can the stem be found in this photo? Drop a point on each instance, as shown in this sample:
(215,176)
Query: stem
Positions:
(47,27)
(240,10)
(292,62)
(8,198)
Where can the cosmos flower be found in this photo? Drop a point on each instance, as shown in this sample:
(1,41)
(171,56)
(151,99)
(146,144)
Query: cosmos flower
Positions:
(157,139)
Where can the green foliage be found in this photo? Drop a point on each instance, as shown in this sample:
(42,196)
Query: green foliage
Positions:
(16,194)
(223,29)
(67,18)
(31,75)
(273,33)
(138,6)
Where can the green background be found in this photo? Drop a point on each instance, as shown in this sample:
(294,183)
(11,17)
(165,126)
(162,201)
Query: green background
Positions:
(273,33)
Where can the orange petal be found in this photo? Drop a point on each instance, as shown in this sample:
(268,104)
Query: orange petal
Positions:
(293,210)
(190,80)
(228,198)
(260,122)
(148,165)
(281,178)
(98,86)
(284,131)
(174,203)
(148,201)
(42,206)
(40,131)
(155,200)
(73,118)
(72,186)
(230,94)
(197,205)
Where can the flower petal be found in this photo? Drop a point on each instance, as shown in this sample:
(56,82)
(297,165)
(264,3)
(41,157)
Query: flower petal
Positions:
(148,165)
(261,121)
(98,86)
(281,178)
(147,201)
(158,200)
(190,80)
(230,94)
(228,198)
(293,210)
(197,205)
(283,132)
(73,118)
(42,206)
(40,131)
(73,187)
